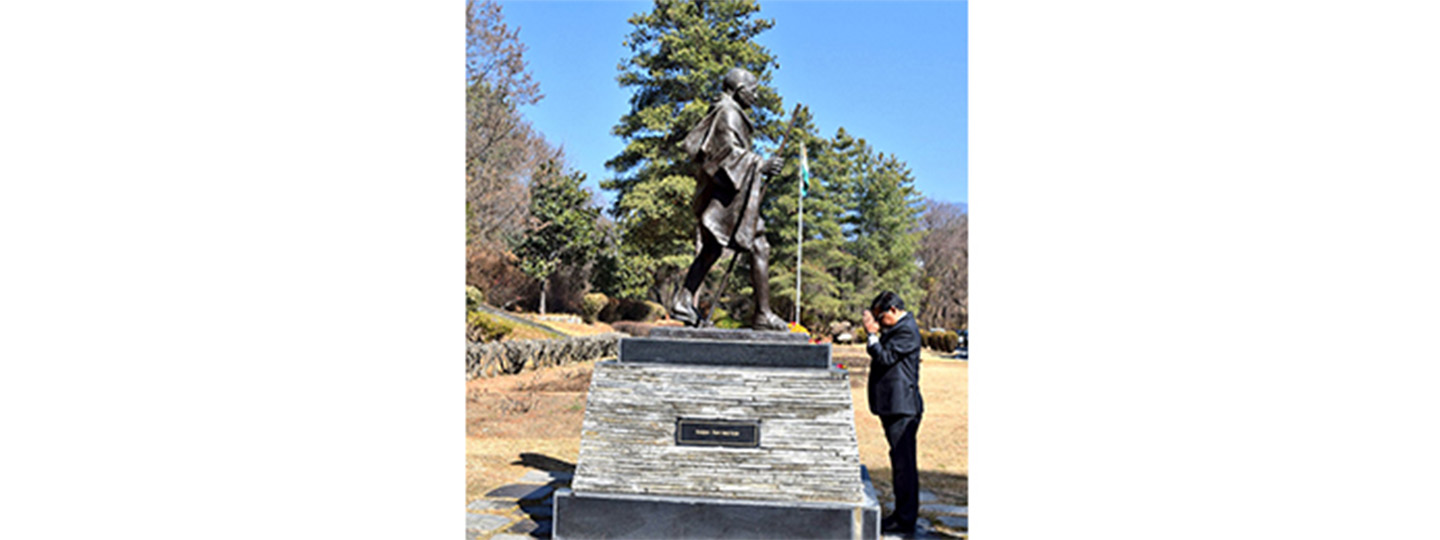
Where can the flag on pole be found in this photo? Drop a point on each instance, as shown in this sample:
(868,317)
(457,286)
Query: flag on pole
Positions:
(804,171)
(800,228)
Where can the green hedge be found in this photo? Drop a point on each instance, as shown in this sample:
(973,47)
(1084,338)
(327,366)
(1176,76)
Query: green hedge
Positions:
(723,319)
(643,311)
(480,326)
(473,297)
(591,306)
(619,309)
(944,341)
(484,328)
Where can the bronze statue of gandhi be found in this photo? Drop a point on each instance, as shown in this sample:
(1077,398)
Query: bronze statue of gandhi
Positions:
(730,183)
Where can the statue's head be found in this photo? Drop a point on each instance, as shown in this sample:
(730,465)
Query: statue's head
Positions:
(741,84)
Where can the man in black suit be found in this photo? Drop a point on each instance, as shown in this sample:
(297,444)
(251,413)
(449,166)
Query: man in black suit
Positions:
(894,395)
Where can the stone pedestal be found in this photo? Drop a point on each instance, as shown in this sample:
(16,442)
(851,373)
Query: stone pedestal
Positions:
(718,434)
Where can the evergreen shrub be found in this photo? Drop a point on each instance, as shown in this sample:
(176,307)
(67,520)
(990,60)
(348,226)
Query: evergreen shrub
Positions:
(591,305)
(484,328)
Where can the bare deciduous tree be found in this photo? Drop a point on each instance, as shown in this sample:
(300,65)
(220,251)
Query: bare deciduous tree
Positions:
(501,148)
(945,253)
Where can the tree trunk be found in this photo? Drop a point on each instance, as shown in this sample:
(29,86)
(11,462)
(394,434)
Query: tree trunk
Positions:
(543,285)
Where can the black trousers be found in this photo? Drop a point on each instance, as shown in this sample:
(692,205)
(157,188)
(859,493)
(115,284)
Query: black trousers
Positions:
(900,431)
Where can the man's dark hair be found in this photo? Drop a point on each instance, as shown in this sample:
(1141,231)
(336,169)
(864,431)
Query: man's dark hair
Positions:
(885,301)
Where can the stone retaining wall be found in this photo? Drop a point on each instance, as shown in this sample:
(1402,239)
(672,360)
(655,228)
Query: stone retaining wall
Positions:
(510,357)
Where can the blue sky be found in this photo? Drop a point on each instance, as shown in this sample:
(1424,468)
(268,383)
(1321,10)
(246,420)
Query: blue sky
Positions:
(892,73)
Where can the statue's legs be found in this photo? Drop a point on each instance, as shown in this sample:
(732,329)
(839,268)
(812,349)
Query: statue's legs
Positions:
(760,278)
(684,308)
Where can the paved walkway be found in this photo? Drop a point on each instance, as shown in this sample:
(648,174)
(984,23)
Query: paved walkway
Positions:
(517,511)
(937,519)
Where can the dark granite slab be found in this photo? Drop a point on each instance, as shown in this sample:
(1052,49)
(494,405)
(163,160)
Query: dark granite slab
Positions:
(603,515)
(722,334)
(725,353)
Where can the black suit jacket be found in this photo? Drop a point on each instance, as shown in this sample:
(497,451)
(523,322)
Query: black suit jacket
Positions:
(894,385)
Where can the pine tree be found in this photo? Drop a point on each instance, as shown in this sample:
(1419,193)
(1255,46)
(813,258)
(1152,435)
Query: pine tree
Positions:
(880,223)
(564,231)
(823,298)
(846,180)
(681,49)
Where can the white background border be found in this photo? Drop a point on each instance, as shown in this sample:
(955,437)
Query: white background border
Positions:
(1205,249)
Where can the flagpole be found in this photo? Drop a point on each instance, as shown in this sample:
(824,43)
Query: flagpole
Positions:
(800,232)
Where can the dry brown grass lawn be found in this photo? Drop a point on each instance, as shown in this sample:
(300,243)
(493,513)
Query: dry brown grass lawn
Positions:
(943,439)
(526,332)
(573,329)
(510,416)
(532,420)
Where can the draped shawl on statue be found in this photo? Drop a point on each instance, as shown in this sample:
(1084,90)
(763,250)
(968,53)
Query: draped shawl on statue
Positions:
(729,182)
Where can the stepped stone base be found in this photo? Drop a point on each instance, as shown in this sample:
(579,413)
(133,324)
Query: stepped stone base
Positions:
(706,437)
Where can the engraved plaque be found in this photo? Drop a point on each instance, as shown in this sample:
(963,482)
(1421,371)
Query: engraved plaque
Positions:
(706,432)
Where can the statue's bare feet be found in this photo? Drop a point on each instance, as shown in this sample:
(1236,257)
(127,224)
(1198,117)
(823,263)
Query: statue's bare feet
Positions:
(684,309)
(766,320)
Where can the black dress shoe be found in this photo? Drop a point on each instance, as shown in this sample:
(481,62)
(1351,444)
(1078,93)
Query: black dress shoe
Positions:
(892,527)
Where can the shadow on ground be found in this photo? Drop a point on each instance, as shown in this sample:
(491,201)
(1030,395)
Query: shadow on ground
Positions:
(544,463)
